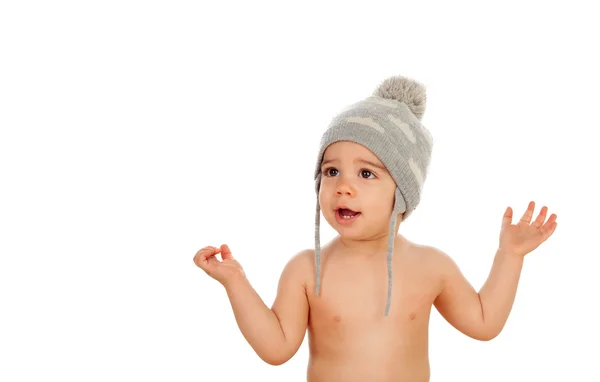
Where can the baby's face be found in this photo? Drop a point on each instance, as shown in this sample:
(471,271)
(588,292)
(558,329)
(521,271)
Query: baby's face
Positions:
(353,177)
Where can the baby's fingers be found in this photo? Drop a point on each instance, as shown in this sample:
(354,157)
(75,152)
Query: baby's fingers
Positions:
(550,226)
(226,252)
(205,256)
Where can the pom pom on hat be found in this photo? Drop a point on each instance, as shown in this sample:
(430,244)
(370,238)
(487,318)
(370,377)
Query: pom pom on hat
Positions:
(403,89)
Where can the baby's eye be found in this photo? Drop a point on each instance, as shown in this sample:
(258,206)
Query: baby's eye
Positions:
(329,170)
(366,173)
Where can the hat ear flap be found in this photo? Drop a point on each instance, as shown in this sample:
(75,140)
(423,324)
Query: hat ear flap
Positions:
(399,203)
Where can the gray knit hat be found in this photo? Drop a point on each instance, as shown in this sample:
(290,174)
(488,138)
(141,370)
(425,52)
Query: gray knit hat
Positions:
(389,124)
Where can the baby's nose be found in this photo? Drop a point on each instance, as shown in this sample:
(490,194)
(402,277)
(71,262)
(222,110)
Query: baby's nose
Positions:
(344,187)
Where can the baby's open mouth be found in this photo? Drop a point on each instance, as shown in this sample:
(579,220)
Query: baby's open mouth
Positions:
(347,214)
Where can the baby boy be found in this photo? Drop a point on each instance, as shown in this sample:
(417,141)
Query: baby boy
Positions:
(365,298)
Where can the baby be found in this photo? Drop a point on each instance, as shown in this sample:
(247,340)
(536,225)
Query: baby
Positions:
(366,296)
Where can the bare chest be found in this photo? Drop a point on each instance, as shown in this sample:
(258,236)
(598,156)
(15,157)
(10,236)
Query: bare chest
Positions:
(350,309)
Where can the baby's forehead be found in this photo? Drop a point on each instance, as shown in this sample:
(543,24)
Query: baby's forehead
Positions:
(349,151)
(351,155)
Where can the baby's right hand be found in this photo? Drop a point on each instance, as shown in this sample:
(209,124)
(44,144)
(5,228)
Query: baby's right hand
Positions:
(222,271)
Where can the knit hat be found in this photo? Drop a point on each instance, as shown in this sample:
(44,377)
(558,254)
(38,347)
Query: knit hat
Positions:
(389,124)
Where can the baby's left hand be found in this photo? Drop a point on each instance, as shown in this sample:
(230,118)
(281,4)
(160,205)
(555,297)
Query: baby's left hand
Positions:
(521,238)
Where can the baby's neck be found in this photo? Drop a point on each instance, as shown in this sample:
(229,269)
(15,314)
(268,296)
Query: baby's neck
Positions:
(369,247)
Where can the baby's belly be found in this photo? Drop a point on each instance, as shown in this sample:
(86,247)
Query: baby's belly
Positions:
(321,370)
(386,350)
(370,368)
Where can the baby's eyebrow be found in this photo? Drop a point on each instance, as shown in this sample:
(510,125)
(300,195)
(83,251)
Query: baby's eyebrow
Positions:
(359,160)
(371,164)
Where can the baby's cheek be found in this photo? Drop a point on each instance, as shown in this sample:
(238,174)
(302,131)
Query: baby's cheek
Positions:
(323,201)
(383,207)
(379,215)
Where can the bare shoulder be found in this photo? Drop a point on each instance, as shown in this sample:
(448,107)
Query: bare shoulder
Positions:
(434,254)
(436,262)
(293,281)
(300,267)
(303,259)
(435,257)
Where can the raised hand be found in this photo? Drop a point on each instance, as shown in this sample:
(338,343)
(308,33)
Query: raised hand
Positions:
(222,271)
(523,237)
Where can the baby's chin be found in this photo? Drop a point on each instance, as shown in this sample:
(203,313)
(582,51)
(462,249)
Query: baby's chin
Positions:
(357,229)
(362,235)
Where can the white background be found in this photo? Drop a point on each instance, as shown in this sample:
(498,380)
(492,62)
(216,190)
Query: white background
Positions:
(135,133)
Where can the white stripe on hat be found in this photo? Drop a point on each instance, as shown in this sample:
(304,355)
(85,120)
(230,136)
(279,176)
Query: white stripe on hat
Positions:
(383,101)
(367,122)
(416,171)
(405,127)
(427,135)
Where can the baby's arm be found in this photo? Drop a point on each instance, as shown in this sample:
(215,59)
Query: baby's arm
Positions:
(275,334)
(479,315)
